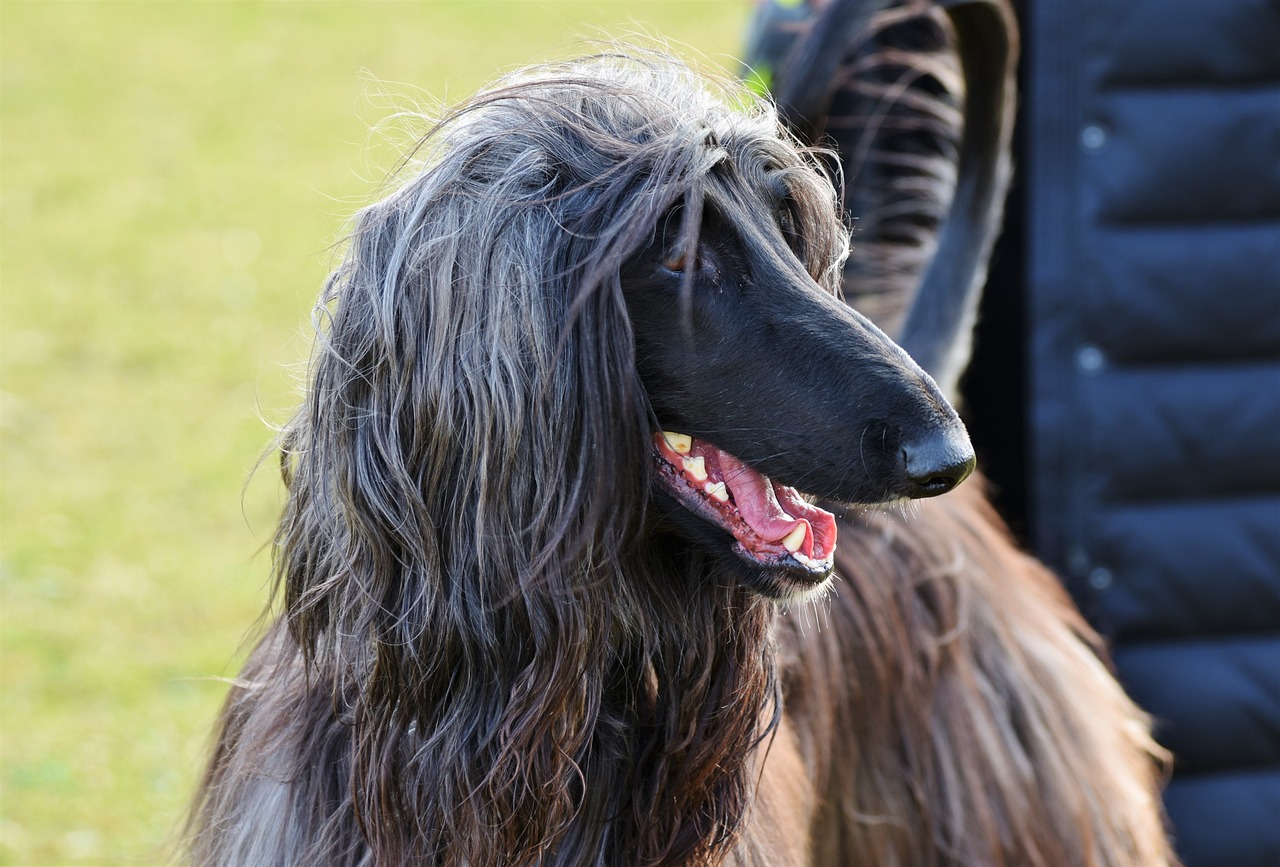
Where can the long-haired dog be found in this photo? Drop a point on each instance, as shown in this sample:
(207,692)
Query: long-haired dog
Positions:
(568,457)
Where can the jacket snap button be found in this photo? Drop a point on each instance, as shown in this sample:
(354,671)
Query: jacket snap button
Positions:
(1093,137)
(1090,359)
(1100,578)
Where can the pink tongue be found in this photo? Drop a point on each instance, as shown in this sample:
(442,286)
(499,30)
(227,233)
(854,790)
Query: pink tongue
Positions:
(755,499)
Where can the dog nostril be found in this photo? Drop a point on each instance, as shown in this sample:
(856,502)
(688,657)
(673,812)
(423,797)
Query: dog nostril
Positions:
(942,482)
(937,463)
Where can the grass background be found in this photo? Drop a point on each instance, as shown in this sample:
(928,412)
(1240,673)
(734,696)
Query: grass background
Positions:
(172,176)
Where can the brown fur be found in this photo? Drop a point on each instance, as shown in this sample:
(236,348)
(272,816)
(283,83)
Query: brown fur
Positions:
(954,708)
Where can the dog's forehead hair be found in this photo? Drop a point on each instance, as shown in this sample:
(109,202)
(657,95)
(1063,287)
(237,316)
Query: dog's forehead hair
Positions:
(745,183)
(780,191)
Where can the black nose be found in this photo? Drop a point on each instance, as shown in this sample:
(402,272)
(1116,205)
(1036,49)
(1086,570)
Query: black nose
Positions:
(937,462)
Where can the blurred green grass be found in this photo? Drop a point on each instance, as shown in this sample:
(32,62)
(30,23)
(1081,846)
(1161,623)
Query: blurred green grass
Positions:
(172,176)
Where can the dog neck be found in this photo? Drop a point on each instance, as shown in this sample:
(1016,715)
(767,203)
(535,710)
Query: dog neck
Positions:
(689,699)
(637,741)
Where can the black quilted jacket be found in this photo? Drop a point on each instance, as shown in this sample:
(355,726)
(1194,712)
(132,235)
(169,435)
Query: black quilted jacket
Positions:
(1150,164)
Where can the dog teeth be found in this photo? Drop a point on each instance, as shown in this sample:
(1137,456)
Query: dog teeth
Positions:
(680,443)
(795,538)
(717,491)
(695,467)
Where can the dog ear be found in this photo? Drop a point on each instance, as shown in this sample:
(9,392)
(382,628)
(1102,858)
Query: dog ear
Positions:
(470,458)
(472,414)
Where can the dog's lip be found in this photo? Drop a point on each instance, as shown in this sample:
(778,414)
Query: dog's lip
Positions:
(772,524)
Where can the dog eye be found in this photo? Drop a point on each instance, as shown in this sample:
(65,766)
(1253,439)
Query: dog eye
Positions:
(679,262)
(789,224)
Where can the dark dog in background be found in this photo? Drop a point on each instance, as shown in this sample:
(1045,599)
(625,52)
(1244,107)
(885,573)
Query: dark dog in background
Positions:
(577,433)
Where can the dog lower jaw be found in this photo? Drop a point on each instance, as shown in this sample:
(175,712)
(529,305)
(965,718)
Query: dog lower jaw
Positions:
(783,583)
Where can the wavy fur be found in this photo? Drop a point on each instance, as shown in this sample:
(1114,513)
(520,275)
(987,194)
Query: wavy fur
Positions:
(496,650)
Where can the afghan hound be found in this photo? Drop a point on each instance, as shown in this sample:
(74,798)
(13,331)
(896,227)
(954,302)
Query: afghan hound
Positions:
(579,564)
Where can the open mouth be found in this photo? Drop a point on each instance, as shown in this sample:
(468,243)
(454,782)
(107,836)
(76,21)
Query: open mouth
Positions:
(773,525)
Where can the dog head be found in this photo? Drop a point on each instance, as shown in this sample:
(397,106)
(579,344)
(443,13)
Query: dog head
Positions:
(589,257)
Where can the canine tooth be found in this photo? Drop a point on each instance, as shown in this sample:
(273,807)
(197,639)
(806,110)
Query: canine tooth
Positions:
(696,467)
(718,491)
(680,443)
(795,538)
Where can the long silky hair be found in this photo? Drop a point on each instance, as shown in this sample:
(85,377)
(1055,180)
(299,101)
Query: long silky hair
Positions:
(525,674)
(489,654)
